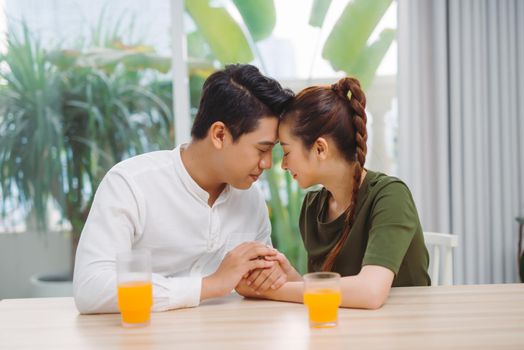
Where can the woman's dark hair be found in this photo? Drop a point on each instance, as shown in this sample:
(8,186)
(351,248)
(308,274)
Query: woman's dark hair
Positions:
(338,112)
(238,96)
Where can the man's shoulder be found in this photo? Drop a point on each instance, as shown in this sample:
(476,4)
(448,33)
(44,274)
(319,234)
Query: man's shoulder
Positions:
(144,163)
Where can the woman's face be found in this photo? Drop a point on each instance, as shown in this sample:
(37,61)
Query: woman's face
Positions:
(300,163)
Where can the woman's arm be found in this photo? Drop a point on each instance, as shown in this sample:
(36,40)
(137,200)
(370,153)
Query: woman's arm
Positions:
(261,280)
(367,290)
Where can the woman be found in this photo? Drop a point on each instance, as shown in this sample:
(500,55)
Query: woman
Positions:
(361,224)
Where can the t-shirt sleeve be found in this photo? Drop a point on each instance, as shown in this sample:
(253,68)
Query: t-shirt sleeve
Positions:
(394,223)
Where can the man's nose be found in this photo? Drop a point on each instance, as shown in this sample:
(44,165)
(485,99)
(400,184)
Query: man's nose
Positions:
(265,162)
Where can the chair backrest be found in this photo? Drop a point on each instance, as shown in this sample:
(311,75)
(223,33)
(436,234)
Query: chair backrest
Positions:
(440,245)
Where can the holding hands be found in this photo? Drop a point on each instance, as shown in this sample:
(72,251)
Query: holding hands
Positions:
(251,268)
(237,263)
(257,282)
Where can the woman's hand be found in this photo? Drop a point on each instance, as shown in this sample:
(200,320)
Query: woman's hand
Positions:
(289,270)
(245,290)
(262,280)
(239,262)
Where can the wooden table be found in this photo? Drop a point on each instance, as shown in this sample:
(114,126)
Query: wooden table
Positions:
(453,317)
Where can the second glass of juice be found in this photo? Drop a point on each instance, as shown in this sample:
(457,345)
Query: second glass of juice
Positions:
(135,291)
(322,296)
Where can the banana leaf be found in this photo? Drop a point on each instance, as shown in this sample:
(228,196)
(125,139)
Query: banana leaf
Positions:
(371,57)
(319,10)
(259,17)
(349,36)
(222,33)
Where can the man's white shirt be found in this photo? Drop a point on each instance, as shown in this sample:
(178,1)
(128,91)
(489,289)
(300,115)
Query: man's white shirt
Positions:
(151,202)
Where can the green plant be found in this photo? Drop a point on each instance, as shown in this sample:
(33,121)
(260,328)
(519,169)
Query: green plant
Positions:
(64,123)
(30,126)
(347,47)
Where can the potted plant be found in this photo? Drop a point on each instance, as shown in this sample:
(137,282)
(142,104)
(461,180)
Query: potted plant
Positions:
(66,117)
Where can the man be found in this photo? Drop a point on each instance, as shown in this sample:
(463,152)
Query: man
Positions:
(193,207)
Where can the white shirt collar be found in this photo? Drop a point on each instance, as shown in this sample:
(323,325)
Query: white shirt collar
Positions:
(191,185)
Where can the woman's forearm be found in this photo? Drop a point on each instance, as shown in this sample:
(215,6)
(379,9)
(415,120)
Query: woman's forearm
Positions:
(361,291)
(367,290)
(290,291)
(294,276)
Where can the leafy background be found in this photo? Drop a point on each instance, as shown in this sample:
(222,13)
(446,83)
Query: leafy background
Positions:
(68,113)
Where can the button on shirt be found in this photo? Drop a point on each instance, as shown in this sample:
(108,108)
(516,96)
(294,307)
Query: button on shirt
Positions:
(151,202)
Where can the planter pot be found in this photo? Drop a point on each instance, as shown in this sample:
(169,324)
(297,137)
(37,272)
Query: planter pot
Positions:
(51,285)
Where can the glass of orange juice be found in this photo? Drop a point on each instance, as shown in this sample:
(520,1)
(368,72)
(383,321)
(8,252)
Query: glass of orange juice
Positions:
(135,291)
(322,296)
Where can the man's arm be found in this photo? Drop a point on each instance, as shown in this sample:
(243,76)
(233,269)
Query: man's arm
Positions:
(115,222)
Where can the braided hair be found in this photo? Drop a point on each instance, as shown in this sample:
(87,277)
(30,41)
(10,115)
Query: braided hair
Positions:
(337,111)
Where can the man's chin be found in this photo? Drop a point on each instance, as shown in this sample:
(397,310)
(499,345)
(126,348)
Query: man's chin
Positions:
(241,185)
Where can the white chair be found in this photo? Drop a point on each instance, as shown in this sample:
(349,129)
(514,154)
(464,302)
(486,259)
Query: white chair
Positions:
(440,244)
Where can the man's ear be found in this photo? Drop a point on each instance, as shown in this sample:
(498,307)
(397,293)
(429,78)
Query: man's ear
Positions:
(218,133)
(321,148)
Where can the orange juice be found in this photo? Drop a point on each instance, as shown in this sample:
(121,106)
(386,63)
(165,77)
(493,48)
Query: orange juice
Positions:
(134,301)
(323,305)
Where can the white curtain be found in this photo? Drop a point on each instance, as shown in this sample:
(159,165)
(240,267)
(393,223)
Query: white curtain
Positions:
(461,126)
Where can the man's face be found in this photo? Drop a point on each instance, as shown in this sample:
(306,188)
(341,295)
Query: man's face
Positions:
(246,159)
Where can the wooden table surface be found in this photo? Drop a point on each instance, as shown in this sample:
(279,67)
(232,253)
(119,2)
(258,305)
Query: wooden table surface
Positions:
(453,317)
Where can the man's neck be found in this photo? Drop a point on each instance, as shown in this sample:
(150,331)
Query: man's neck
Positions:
(198,163)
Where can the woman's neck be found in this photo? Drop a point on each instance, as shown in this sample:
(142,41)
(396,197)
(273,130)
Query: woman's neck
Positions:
(339,182)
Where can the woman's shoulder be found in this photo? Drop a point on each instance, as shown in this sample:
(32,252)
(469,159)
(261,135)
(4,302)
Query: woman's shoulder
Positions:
(380,184)
(378,181)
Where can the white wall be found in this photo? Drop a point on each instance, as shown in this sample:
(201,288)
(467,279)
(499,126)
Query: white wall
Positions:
(22,255)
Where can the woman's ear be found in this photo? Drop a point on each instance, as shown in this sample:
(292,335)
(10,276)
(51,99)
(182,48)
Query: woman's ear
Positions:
(321,148)
(218,133)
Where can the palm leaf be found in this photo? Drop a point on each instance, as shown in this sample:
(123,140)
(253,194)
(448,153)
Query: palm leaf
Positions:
(222,33)
(349,36)
(259,17)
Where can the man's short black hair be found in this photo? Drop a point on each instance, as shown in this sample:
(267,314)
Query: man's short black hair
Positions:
(238,96)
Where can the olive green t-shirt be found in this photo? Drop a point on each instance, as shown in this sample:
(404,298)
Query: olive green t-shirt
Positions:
(386,232)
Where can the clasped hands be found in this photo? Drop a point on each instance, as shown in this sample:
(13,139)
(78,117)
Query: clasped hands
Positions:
(258,282)
(252,269)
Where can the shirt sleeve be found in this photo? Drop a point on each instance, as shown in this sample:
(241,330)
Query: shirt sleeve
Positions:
(114,223)
(394,223)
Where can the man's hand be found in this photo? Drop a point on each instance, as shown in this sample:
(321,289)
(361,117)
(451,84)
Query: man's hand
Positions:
(260,280)
(263,280)
(237,263)
(245,290)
